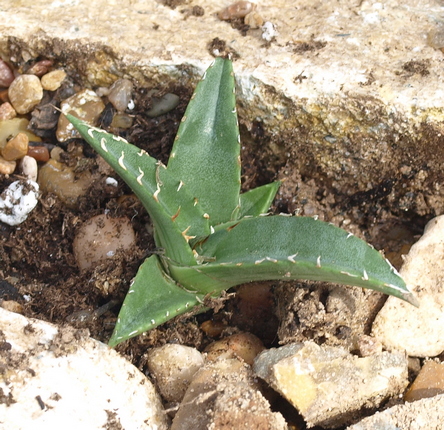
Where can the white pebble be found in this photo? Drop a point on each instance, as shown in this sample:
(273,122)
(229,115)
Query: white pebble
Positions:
(29,168)
(111,181)
(268,31)
(17,201)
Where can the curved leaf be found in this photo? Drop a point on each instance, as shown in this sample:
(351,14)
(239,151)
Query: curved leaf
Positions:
(152,299)
(280,247)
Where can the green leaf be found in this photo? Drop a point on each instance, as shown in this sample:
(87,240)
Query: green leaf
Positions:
(205,155)
(280,247)
(175,215)
(152,299)
(258,200)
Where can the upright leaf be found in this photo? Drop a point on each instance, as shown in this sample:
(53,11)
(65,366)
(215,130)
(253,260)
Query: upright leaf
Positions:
(205,155)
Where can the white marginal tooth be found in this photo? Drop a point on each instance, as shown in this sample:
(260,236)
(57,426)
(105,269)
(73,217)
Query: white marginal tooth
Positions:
(318,262)
(292,258)
(103,144)
(365,277)
(121,161)
(139,178)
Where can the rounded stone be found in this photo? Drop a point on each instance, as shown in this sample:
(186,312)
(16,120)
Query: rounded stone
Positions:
(52,80)
(16,148)
(25,93)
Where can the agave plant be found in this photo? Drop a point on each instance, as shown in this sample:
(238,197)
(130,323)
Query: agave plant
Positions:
(212,236)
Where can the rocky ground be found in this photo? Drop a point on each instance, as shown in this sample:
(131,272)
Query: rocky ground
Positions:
(327,356)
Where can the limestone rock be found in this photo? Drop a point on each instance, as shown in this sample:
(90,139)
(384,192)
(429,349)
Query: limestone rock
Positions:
(16,148)
(425,414)
(328,385)
(418,331)
(17,201)
(224,396)
(56,376)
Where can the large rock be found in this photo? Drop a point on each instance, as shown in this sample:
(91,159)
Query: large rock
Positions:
(349,93)
(418,331)
(425,414)
(53,377)
(328,385)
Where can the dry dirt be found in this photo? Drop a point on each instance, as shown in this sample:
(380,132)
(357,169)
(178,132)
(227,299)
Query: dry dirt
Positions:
(37,261)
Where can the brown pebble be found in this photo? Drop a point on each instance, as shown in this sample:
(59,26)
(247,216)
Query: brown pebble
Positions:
(40,68)
(39,153)
(16,148)
(85,105)
(25,93)
(242,345)
(7,111)
(53,80)
(7,167)
(213,328)
(6,74)
(236,10)
(428,383)
(12,306)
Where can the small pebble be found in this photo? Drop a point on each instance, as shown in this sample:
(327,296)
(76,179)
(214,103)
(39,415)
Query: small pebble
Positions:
(173,367)
(368,345)
(40,68)
(7,167)
(242,345)
(28,167)
(53,80)
(57,178)
(17,201)
(100,238)
(428,383)
(163,105)
(7,111)
(16,148)
(12,306)
(40,153)
(85,105)
(236,10)
(254,20)
(120,94)
(269,31)
(25,93)
(12,127)
(121,121)
(56,152)
(6,74)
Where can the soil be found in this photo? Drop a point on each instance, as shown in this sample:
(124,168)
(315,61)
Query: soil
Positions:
(38,269)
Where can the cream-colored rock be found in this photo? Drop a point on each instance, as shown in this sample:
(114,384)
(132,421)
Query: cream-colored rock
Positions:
(25,93)
(52,80)
(327,384)
(418,331)
(173,366)
(224,395)
(425,414)
(59,377)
